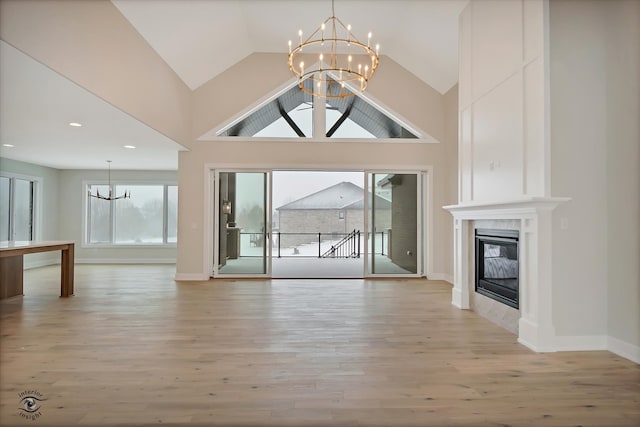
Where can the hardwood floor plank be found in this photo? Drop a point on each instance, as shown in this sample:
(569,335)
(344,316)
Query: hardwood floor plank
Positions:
(133,347)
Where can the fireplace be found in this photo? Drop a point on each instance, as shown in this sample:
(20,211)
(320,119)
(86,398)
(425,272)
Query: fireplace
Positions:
(497,265)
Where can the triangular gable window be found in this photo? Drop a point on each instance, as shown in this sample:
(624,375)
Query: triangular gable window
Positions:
(302,116)
(291,115)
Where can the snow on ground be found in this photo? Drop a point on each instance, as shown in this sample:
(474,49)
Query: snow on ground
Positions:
(305,250)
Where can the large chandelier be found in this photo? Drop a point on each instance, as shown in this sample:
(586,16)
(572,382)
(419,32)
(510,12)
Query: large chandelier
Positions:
(335,61)
(126,195)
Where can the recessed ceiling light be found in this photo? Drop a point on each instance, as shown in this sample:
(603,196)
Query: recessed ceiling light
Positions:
(8,145)
(129,146)
(75,124)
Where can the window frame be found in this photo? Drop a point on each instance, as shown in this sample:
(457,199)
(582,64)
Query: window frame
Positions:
(86,217)
(36,200)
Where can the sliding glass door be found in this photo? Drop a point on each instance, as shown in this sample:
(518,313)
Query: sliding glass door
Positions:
(392,241)
(242,223)
(394,244)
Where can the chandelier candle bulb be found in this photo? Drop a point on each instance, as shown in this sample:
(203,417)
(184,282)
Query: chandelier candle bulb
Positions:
(369,39)
(300,34)
(289,47)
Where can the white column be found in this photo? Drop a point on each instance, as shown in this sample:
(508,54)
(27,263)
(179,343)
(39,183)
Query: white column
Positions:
(535,327)
(319,113)
(460,291)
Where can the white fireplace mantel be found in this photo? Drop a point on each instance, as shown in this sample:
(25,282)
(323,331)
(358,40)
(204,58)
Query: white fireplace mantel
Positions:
(535,326)
(504,207)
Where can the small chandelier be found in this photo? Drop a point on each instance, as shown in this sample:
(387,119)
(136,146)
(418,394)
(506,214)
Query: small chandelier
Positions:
(342,60)
(110,197)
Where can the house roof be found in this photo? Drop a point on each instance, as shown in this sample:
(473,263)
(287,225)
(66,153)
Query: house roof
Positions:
(345,195)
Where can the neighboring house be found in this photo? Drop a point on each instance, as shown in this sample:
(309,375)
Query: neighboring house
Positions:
(334,211)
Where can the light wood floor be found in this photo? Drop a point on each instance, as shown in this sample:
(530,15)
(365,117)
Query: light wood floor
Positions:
(133,347)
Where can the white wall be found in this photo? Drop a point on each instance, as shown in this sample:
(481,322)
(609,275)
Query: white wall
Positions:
(48,209)
(192,262)
(443,253)
(579,167)
(237,91)
(623,175)
(394,89)
(72,195)
(595,70)
(502,93)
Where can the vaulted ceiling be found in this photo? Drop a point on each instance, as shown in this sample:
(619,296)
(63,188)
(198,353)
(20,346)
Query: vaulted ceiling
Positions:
(199,39)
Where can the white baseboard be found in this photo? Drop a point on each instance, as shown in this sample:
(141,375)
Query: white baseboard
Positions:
(599,342)
(125,261)
(535,337)
(624,349)
(441,276)
(581,342)
(187,277)
(40,263)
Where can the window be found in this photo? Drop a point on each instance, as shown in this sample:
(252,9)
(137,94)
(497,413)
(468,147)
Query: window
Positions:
(291,115)
(17,208)
(149,217)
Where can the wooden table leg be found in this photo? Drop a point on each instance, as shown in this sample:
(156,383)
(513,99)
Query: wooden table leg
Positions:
(66,275)
(11,276)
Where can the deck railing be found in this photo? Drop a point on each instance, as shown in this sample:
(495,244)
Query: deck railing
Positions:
(348,247)
(300,245)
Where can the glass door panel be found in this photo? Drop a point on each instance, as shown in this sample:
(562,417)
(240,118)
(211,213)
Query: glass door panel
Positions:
(393,224)
(242,223)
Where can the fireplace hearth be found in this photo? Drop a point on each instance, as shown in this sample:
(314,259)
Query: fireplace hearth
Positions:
(497,270)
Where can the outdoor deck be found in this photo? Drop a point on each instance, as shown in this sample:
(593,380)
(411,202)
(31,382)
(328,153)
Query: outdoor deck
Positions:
(309,267)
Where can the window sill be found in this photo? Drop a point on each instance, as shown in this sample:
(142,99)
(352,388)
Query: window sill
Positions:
(129,246)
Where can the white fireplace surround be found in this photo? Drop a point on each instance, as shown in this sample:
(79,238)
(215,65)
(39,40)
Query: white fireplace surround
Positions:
(535,326)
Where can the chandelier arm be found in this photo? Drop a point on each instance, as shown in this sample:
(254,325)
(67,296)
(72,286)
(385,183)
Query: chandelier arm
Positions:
(110,196)
(351,37)
(314,33)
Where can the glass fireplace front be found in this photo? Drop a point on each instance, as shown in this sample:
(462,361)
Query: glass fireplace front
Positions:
(497,265)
